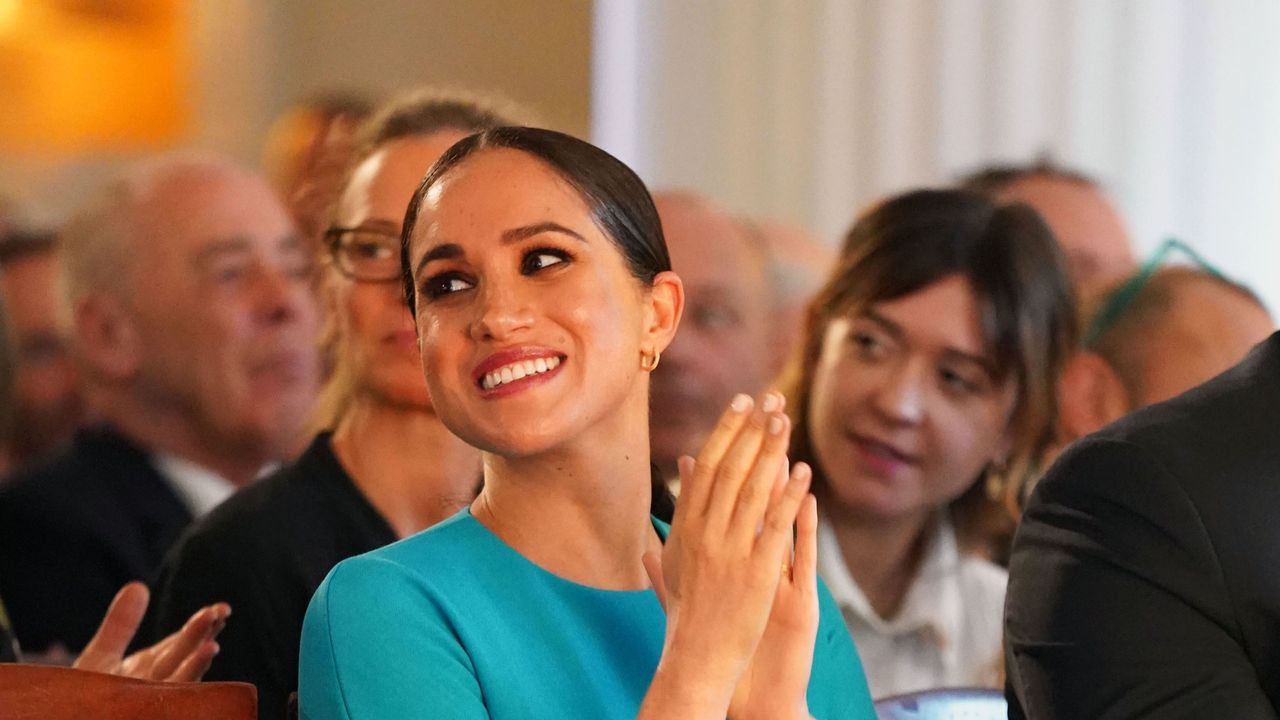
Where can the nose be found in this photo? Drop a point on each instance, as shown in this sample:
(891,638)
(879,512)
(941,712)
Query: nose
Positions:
(900,397)
(503,311)
(281,296)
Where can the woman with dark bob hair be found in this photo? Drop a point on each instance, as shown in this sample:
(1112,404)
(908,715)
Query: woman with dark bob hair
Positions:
(925,382)
(543,296)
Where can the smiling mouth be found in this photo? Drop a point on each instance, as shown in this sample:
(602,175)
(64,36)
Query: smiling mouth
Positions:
(518,370)
(884,451)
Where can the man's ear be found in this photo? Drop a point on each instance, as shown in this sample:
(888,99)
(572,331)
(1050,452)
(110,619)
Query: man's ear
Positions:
(107,336)
(1090,395)
(665,306)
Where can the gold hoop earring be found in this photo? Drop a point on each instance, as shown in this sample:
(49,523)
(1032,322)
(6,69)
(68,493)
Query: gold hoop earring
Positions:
(996,481)
(649,361)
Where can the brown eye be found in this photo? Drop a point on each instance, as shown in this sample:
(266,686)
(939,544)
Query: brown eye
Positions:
(444,284)
(542,258)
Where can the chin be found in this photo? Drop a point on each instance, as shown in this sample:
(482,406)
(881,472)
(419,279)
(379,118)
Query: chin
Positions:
(499,439)
(874,502)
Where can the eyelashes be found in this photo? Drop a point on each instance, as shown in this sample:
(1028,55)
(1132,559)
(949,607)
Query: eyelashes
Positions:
(533,261)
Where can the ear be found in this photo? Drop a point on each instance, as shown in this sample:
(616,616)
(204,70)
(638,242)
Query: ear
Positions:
(1090,395)
(662,314)
(108,336)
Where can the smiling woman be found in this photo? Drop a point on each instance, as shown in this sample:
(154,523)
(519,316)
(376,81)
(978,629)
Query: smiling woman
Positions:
(542,292)
(929,363)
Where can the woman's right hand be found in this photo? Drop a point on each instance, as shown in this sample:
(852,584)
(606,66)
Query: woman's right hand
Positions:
(720,567)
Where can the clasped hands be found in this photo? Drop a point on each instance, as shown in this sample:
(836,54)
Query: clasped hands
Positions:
(742,610)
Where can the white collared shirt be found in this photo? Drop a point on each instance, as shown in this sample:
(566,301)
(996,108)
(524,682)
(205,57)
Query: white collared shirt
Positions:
(947,632)
(199,488)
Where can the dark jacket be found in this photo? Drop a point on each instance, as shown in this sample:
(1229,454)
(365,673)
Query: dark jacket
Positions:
(265,551)
(1145,575)
(76,529)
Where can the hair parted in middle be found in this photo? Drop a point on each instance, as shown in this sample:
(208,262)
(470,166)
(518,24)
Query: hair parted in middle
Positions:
(619,202)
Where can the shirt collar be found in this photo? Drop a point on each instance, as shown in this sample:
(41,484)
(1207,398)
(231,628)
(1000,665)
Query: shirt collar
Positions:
(933,602)
(199,488)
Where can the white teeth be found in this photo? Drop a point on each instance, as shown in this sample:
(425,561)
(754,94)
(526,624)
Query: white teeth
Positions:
(517,371)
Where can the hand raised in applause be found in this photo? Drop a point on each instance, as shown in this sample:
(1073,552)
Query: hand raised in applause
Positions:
(720,572)
(184,656)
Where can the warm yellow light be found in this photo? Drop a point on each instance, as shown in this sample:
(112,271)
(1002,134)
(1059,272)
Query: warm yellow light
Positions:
(9,11)
(76,81)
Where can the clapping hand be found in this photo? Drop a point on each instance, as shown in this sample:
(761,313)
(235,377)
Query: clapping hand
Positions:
(741,618)
(184,656)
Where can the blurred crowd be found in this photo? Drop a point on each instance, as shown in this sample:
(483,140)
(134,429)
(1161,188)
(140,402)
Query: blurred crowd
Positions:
(212,384)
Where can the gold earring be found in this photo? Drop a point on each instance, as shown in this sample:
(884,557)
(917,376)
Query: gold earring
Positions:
(995,481)
(649,361)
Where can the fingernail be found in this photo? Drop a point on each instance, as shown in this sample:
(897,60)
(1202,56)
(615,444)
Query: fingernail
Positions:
(741,402)
(775,425)
(769,403)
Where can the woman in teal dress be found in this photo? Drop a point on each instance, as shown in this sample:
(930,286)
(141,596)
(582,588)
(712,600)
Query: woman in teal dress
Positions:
(542,291)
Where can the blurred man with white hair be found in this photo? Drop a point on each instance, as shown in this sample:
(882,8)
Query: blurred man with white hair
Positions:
(188,302)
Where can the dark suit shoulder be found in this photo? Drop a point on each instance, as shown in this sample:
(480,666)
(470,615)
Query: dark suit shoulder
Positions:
(1142,579)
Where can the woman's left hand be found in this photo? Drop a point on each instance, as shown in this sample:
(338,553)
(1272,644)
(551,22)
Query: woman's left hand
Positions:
(776,680)
(775,683)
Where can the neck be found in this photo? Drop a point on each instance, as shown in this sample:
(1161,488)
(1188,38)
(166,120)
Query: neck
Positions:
(580,512)
(883,555)
(406,463)
(167,430)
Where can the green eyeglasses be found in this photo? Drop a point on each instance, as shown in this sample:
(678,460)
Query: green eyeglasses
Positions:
(1119,300)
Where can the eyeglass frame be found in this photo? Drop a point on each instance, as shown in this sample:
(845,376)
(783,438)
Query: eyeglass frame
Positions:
(333,240)
(1122,297)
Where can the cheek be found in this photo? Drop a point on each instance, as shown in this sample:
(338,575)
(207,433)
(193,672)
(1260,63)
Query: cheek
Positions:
(362,312)
(968,439)
(434,355)
(837,391)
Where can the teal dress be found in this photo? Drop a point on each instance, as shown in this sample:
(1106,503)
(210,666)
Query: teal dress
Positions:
(454,623)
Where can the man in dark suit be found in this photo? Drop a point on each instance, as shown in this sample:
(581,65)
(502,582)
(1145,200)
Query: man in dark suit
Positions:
(1145,576)
(188,298)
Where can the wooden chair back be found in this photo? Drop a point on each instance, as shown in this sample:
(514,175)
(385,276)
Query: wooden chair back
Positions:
(40,692)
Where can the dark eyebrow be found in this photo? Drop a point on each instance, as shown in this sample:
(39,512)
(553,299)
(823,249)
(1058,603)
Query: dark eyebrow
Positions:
(885,323)
(449,251)
(528,231)
(897,332)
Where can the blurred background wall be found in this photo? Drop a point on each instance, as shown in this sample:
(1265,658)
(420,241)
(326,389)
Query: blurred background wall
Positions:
(245,61)
(801,111)
(806,111)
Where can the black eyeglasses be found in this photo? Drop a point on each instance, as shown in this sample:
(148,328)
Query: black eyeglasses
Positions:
(1119,300)
(365,254)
